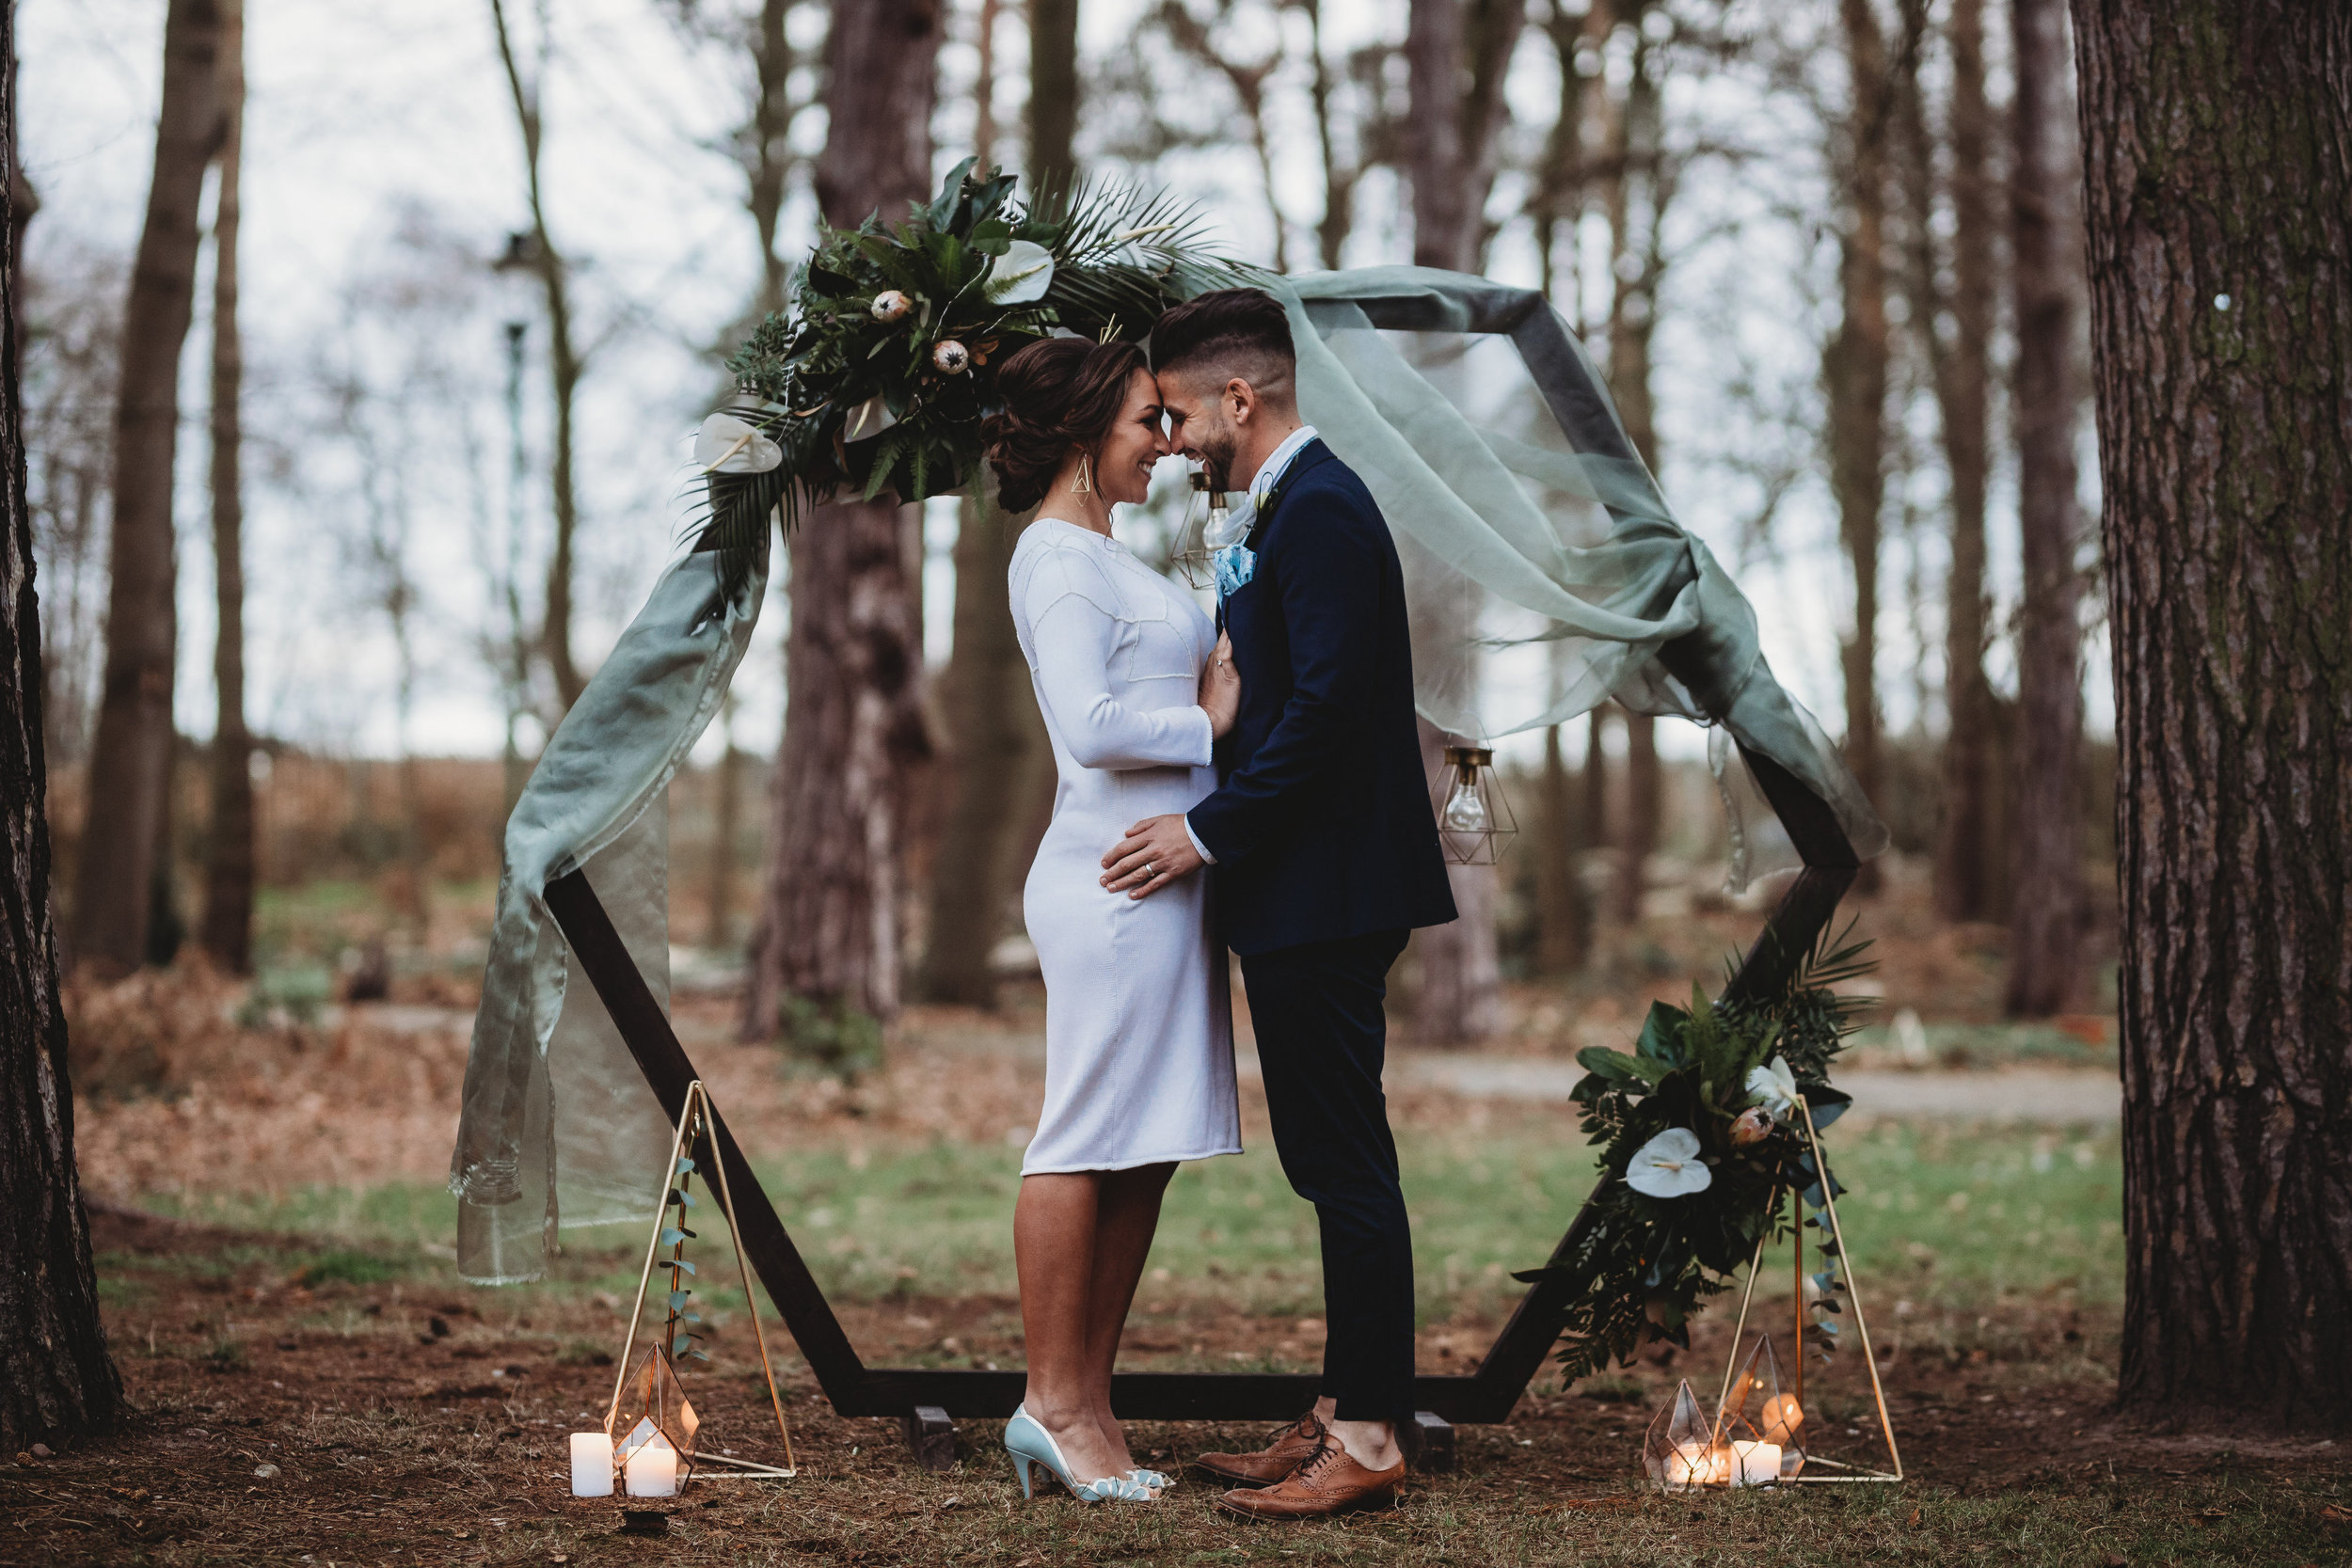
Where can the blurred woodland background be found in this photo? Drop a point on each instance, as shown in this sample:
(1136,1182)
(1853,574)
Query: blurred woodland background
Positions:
(359,353)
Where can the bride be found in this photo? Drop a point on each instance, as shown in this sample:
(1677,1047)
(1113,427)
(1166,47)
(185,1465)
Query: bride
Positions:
(1135,686)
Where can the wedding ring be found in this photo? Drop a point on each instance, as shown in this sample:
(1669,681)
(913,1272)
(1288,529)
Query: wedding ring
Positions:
(1148,872)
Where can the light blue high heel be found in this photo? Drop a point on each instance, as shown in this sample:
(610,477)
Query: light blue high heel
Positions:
(1152,1479)
(1030,1444)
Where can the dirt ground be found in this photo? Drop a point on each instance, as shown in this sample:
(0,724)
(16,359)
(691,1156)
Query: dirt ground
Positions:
(293,1410)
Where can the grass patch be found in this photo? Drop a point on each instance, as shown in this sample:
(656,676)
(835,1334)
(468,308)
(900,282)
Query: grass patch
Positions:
(1938,1218)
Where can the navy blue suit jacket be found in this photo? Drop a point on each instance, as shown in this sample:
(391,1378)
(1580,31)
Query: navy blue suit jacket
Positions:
(1321,823)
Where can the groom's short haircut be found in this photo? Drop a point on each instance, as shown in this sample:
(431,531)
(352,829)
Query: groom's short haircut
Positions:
(1232,334)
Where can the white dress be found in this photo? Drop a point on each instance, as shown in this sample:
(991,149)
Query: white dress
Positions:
(1139,1020)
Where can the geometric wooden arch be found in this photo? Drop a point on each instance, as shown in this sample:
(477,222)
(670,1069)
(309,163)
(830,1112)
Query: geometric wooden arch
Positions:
(926,1399)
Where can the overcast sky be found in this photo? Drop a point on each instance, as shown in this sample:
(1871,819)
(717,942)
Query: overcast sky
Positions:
(365,121)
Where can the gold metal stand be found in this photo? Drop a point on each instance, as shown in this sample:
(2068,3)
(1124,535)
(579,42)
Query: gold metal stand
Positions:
(1862,1329)
(693,1127)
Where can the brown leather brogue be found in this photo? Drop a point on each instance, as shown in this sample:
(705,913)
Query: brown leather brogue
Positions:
(1328,1482)
(1278,1459)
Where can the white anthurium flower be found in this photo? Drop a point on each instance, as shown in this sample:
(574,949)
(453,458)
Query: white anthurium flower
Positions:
(1021,273)
(1774,1087)
(727,444)
(1669,1165)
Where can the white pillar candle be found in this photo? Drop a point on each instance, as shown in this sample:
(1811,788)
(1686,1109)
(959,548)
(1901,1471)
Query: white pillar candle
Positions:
(653,1469)
(592,1464)
(1755,1464)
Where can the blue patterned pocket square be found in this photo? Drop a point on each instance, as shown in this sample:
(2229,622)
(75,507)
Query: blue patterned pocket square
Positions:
(1235,565)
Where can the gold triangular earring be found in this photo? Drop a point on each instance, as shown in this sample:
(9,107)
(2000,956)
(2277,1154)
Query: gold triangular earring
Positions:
(1084,484)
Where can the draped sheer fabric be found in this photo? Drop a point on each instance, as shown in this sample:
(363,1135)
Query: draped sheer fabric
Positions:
(1544,571)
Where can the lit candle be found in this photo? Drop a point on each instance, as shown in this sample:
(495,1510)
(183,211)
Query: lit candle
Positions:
(1755,1464)
(1783,1416)
(653,1469)
(592,1464)
(1688,1464)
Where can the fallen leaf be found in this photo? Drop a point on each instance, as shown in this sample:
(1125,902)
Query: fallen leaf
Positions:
(1911,1523)
(2336,1513)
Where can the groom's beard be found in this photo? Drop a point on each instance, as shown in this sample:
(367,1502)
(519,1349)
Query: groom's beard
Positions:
(1217,449)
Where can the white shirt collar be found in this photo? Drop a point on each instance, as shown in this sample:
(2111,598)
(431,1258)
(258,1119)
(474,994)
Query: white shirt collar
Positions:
(1278,460)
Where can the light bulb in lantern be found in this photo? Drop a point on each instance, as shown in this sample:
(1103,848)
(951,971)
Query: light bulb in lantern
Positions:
(1465,812)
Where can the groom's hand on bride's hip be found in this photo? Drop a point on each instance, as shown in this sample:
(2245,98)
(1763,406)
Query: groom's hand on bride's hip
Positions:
(1154,853)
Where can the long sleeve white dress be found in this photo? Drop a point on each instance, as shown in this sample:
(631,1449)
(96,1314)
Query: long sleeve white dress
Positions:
(1139,1020)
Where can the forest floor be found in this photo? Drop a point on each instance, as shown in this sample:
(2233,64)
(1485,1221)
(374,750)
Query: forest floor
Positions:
(313,1385)
(317,1404)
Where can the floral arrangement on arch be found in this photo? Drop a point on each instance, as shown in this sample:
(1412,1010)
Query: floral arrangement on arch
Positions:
(1703,1145)
(878,375)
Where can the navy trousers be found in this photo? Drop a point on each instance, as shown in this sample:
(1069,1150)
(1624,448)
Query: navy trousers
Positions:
(1322,1036)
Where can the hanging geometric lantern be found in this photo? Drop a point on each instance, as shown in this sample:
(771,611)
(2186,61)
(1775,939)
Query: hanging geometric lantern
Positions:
(1474,822)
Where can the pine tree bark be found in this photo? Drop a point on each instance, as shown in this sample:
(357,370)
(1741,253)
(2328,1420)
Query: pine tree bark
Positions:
(1855,371)
(56,1380)
(2217,153)
(227,932)
(2052,903)
(832,923)
(130,759)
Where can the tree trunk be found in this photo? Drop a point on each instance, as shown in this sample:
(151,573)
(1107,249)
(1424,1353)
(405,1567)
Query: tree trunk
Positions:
(130,759)
(2218,145)
(1854,368)
(993,731)
(1960,366)
(1053,111)
(2047,928)
(997,737)
(565,364)
(831,922)
(1637,195)
(1450,52)
(228,928)
(56,1380)
(1643,813)
(1561,934)
(726,826)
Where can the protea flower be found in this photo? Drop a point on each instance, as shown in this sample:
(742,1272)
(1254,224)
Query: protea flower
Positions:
(891,305)
(952,358)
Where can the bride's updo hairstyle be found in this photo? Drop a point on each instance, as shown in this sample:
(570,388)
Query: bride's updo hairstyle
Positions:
(1060,393)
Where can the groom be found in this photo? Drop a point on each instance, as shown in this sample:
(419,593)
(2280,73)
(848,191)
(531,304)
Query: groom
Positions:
(1326,857)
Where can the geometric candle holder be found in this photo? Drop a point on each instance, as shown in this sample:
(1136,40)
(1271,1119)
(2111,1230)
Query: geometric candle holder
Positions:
(1764,1433)
(649,1401)
(1680,1454)
(1758,1410)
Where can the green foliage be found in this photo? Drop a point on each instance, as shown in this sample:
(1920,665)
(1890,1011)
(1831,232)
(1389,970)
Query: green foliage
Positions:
(836,1038)
(858,400)
(348,1268)
(1643,1264)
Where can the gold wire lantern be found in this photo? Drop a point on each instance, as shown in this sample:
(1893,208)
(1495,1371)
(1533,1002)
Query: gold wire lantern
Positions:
(1474,820)
(1766,1433)
(650,1411)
